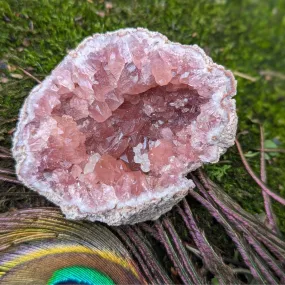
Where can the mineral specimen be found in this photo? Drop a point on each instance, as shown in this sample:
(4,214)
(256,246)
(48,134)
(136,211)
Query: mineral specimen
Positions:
(112,132)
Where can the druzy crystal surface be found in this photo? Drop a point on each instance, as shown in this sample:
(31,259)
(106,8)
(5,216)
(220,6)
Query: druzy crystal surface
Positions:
(112,132)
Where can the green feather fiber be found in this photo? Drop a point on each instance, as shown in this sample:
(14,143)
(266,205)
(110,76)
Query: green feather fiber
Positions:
(80,275)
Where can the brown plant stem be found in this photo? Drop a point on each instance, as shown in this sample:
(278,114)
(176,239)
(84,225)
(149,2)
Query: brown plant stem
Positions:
(30,75)
(245,76)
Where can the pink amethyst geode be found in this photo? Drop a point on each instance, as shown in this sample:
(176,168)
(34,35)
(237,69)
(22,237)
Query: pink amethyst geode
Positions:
(111,134)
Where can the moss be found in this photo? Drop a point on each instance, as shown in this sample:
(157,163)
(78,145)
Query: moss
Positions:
(245,36)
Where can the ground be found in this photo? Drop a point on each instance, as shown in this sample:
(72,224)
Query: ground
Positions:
(246,37)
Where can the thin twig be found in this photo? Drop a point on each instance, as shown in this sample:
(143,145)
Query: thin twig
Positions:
(245,76)
(30,75)
(193,250)
(242,271)
(266,198)
(256,179)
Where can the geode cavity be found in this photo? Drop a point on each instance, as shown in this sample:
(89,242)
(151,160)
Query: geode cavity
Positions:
(112,132)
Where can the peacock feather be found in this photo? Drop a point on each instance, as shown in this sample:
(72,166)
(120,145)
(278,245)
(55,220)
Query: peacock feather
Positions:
(39,247)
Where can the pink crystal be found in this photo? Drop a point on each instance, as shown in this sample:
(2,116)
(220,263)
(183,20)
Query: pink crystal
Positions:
(112,132)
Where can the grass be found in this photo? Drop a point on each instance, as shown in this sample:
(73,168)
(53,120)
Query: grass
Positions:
(245,36)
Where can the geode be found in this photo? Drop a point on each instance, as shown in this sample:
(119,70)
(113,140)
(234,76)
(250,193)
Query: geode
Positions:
(111,134)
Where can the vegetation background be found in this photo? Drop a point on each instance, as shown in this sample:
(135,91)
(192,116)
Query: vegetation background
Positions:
(246,36)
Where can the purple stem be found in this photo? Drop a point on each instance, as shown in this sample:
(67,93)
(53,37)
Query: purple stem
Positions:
(244,226)
(238,240)
(210,257)
(145,269)
(238,221)
(265,256)
(172,254)
(150,230)
(262,157)
(148,256)
(256,179)
(266,198)
(276,245)
(269,277)
(189,266)
(254,243)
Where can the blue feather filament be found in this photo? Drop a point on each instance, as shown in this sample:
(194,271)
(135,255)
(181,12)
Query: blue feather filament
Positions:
(79,275)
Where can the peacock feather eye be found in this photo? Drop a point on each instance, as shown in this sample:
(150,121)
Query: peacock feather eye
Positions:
(40,247)
(79,275)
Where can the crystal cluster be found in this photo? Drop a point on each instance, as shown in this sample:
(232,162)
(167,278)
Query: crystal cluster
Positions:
(112,132)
